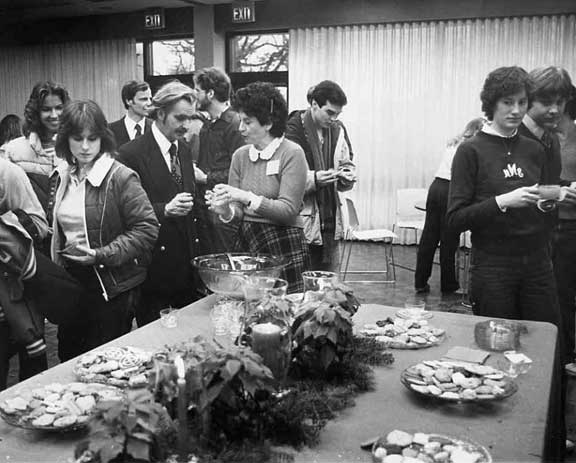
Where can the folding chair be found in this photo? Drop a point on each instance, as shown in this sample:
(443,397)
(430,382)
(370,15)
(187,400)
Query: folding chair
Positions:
(375,235)
(407,215)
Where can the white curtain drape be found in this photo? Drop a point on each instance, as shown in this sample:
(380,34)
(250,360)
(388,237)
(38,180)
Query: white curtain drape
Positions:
(412,86)
(95,70)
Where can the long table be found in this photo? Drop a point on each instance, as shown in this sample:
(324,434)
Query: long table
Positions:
(513,430)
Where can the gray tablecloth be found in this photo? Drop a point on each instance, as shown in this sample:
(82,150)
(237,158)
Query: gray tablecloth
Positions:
(513,429)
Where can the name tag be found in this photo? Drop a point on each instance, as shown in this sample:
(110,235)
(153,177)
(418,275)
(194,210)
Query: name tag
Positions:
(273,167)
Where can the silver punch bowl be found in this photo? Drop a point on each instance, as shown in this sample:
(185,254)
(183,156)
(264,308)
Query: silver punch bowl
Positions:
(225,273)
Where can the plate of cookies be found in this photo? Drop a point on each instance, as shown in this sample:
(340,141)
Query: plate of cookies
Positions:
(115,366)
(458,381)
(401,333)
(56,407)
(412,447)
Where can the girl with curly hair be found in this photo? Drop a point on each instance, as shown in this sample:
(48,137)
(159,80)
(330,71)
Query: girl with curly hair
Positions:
(34,151)
(494,194)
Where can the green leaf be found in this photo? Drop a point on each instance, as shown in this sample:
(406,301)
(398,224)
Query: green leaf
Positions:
(232,367)
(332,335)
(327,355)
(110,451)
(139,449)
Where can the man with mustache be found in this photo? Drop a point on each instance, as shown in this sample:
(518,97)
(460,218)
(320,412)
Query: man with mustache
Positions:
(163,160)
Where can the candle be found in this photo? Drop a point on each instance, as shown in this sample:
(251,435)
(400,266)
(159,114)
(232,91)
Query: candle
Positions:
(182,407)
(272,343)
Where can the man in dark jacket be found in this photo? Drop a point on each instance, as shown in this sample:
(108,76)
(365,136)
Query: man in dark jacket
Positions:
(329,155)
(551,90)
(163,161)
(21,326)
(219,138)
(136,97)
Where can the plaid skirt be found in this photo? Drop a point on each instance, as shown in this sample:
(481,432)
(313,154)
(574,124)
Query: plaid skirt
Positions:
(287,242)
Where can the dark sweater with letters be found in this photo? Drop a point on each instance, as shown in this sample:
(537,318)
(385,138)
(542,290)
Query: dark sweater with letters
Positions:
(482,169)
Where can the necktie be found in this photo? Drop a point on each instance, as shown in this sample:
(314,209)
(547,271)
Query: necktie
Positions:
(138,130)
(546,139)
(175,169)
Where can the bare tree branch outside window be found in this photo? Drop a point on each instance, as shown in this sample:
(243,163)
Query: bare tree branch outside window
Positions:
(173,56)
(260,53)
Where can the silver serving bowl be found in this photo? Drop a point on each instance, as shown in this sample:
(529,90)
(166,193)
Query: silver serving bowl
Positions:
(226,273)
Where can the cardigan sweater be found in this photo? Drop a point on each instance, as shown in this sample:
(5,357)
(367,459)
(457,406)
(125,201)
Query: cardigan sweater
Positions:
(484,167)
(280,181)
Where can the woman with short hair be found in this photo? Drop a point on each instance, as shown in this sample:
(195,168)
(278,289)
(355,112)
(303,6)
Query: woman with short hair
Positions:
(266,183)
(494,194)
(104,229)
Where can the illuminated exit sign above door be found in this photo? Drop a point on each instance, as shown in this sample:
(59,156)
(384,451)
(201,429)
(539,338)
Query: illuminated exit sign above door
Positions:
(243,12)
(154,19)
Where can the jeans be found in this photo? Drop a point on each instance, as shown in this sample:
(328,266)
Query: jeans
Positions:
(435,231)
(515,287)
(564,258)
(326,257)
(98,322)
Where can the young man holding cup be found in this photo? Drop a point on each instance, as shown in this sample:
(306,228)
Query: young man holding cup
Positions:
(551,89)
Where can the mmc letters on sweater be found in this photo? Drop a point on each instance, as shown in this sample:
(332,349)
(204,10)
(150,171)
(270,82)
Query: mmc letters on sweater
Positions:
(511,170)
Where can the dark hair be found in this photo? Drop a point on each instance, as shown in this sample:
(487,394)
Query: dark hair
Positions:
(10,128)
(264,102)
(327,91)
(40,91)
(550,83)
(170,94)
(571,104)
(501,82)
(214,79)
(80,115)
(131,88)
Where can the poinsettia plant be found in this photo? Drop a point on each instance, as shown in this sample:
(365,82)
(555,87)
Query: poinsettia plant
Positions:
(227,388)
(343,295)
(135,428)
(321,334)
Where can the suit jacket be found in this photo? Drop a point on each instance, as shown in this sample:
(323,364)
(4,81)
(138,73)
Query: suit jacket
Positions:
(121,134)
(553,165)
(170,269)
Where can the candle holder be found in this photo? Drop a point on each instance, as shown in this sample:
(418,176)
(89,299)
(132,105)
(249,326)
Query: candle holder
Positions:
(267,323)
(316,283)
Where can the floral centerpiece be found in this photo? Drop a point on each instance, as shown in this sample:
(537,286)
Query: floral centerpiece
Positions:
(233,408)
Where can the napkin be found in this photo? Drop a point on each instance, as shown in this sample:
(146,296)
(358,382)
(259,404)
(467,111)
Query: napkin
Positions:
(466,354)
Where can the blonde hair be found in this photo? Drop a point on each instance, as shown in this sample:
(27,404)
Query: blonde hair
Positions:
(471,129)
(170,94)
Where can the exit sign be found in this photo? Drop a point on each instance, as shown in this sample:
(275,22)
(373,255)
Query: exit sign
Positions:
(154,19)
(243,12)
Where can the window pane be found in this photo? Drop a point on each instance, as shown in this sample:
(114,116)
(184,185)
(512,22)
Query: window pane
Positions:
(259,53)
(172,57)
(140,60)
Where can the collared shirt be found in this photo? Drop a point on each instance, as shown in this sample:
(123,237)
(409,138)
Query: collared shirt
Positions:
(71,213)
(164,145)
(487,128)
(267,152)
(131,126)
(532,126)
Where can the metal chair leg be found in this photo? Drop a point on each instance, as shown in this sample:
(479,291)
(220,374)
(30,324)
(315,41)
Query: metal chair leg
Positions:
(350,243)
